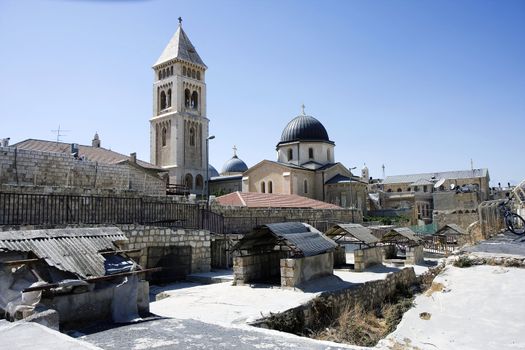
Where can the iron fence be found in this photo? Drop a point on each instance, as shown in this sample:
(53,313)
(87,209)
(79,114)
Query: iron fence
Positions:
(61,209)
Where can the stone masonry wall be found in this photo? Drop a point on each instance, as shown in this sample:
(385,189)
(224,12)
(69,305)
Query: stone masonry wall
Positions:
(414,255)
(308,316)
(490,218)
(44,169)
(296,271)
(339,256)
(366,257)
(143,237)
(461,218)
(257,267)
(243,219)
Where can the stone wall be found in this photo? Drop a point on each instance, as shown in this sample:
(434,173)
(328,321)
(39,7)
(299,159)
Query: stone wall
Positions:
(414,255)
(339,256)
(257,267)
(144,237)
(367,257)
(309,315)
(450,200)
(296,271)
(243,219)
(46,169)
(459,217)
(490,218)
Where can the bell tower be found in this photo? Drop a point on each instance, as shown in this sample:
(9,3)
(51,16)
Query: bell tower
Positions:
(179,126)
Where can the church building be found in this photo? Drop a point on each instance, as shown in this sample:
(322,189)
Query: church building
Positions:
(179,126)
(306,166)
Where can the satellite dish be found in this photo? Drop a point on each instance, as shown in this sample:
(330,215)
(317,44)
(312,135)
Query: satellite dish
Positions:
(452,186)
(439,183)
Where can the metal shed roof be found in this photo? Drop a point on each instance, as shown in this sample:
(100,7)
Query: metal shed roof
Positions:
(358,232)
(401,234)
(301,238)
(451,229)
(74,250)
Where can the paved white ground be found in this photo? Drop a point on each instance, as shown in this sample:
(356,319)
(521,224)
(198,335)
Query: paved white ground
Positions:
(29,335)
(480,307)
(224,304)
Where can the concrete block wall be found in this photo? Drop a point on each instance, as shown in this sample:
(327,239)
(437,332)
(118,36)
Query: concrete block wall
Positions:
(296,271)
(144,237)
(94,305)
(367,257)
(20,167)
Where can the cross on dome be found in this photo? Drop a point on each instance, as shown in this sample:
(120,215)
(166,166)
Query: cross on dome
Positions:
(302,108)
(234,151)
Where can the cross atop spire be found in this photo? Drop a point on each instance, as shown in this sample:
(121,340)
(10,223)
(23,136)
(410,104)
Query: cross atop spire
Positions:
(302,109)
(234,151)
(180,21)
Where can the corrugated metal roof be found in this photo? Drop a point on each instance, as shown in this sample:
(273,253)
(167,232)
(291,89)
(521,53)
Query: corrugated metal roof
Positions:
(74,250)
(401,233)
(459,174)
(301,237)
(359,232)
(451,229)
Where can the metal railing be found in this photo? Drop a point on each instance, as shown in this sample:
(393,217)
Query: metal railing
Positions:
(59,209)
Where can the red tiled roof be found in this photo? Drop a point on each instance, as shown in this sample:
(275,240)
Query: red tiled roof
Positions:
(271,200)
(94,154)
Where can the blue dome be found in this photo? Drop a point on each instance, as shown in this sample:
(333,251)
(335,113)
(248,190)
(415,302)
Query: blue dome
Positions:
(212,172)
(304,128)
(234,165)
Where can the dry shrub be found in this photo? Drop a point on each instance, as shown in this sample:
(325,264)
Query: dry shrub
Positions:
(358,326)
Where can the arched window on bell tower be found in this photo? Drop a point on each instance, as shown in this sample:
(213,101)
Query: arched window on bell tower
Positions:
(162,100)
(163,136)
(169,98)
(194,100)
(187,98)
(192,136)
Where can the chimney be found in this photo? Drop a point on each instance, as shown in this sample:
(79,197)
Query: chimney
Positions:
(5,142)
(133,157)
(96,141)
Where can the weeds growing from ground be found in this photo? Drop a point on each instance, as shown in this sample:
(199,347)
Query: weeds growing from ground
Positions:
(356,325)
(463,261)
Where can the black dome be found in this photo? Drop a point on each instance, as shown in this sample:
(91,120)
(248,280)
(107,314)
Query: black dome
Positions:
(304,128)
(234,165)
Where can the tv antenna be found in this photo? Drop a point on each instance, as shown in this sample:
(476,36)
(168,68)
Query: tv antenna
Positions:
(59,133)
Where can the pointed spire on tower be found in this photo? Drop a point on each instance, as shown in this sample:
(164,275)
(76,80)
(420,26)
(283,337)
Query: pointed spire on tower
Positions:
(180,47)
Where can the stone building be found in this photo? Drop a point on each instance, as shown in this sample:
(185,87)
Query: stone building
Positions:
(230,178)
(423,192)
(179,126)
(38,165)
(306,166)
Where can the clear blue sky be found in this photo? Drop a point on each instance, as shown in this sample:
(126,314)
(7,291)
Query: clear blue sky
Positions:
(418,86)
